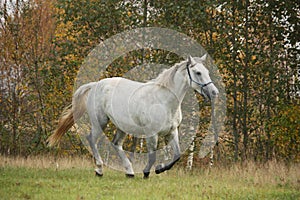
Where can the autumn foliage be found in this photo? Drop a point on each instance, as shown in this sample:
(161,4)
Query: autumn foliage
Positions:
(44,42)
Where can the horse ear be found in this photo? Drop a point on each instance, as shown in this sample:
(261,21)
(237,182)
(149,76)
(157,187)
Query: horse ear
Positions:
(190,60)
(204,57)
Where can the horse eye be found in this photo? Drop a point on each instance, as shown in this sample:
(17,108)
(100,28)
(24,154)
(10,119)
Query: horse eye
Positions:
(198,73)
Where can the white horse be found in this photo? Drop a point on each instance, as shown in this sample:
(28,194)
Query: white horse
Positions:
(145,110)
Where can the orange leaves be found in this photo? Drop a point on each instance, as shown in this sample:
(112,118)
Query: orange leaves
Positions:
(253,57)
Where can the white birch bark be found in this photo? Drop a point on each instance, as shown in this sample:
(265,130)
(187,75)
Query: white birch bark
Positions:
(189,164)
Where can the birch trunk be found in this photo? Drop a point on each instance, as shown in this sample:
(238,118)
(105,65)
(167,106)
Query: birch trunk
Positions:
(189,164)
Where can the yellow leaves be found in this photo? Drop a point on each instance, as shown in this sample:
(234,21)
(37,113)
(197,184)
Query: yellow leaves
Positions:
(63,33)
(241,54)
(70,57)
(214,36)
(243,58)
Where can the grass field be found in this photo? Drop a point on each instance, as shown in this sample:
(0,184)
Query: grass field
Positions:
(41,178)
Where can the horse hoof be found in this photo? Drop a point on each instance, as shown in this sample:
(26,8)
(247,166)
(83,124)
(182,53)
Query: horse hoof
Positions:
(146,175)
(159,169)
(130,175)
(98,174)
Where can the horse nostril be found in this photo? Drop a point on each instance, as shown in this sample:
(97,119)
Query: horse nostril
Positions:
(214,93)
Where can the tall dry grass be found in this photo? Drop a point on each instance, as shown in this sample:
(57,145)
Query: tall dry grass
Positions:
(42,162)
(271,173)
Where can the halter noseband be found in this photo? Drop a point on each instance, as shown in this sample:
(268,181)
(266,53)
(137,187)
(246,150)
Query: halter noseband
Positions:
(191,79)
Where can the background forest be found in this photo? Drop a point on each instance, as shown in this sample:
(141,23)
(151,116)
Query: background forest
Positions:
(255,44)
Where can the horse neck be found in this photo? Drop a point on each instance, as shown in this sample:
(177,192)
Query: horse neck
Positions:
(180,85)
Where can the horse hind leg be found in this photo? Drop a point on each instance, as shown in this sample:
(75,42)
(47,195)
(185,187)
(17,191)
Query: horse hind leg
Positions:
(135,141)
(92,138)
(117,144)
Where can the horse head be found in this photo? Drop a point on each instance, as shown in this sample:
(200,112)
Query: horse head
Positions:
(199,78)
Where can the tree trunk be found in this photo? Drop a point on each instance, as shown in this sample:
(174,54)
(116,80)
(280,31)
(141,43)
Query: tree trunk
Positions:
(189,164)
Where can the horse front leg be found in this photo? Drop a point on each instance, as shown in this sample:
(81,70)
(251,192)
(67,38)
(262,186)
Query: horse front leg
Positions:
(118,146)
(151,148)
(175,146)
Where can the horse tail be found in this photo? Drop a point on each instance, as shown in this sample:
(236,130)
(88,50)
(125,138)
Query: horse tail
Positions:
(71,113)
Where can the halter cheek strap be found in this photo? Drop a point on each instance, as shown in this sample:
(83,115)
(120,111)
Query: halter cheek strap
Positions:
(191,79)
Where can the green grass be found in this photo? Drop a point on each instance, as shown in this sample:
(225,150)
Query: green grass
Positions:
(76,181)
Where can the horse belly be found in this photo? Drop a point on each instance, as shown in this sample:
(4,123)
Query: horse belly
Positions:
(134,108)
(116,98)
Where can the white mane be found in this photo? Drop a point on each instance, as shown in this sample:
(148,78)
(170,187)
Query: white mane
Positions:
(166,78)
